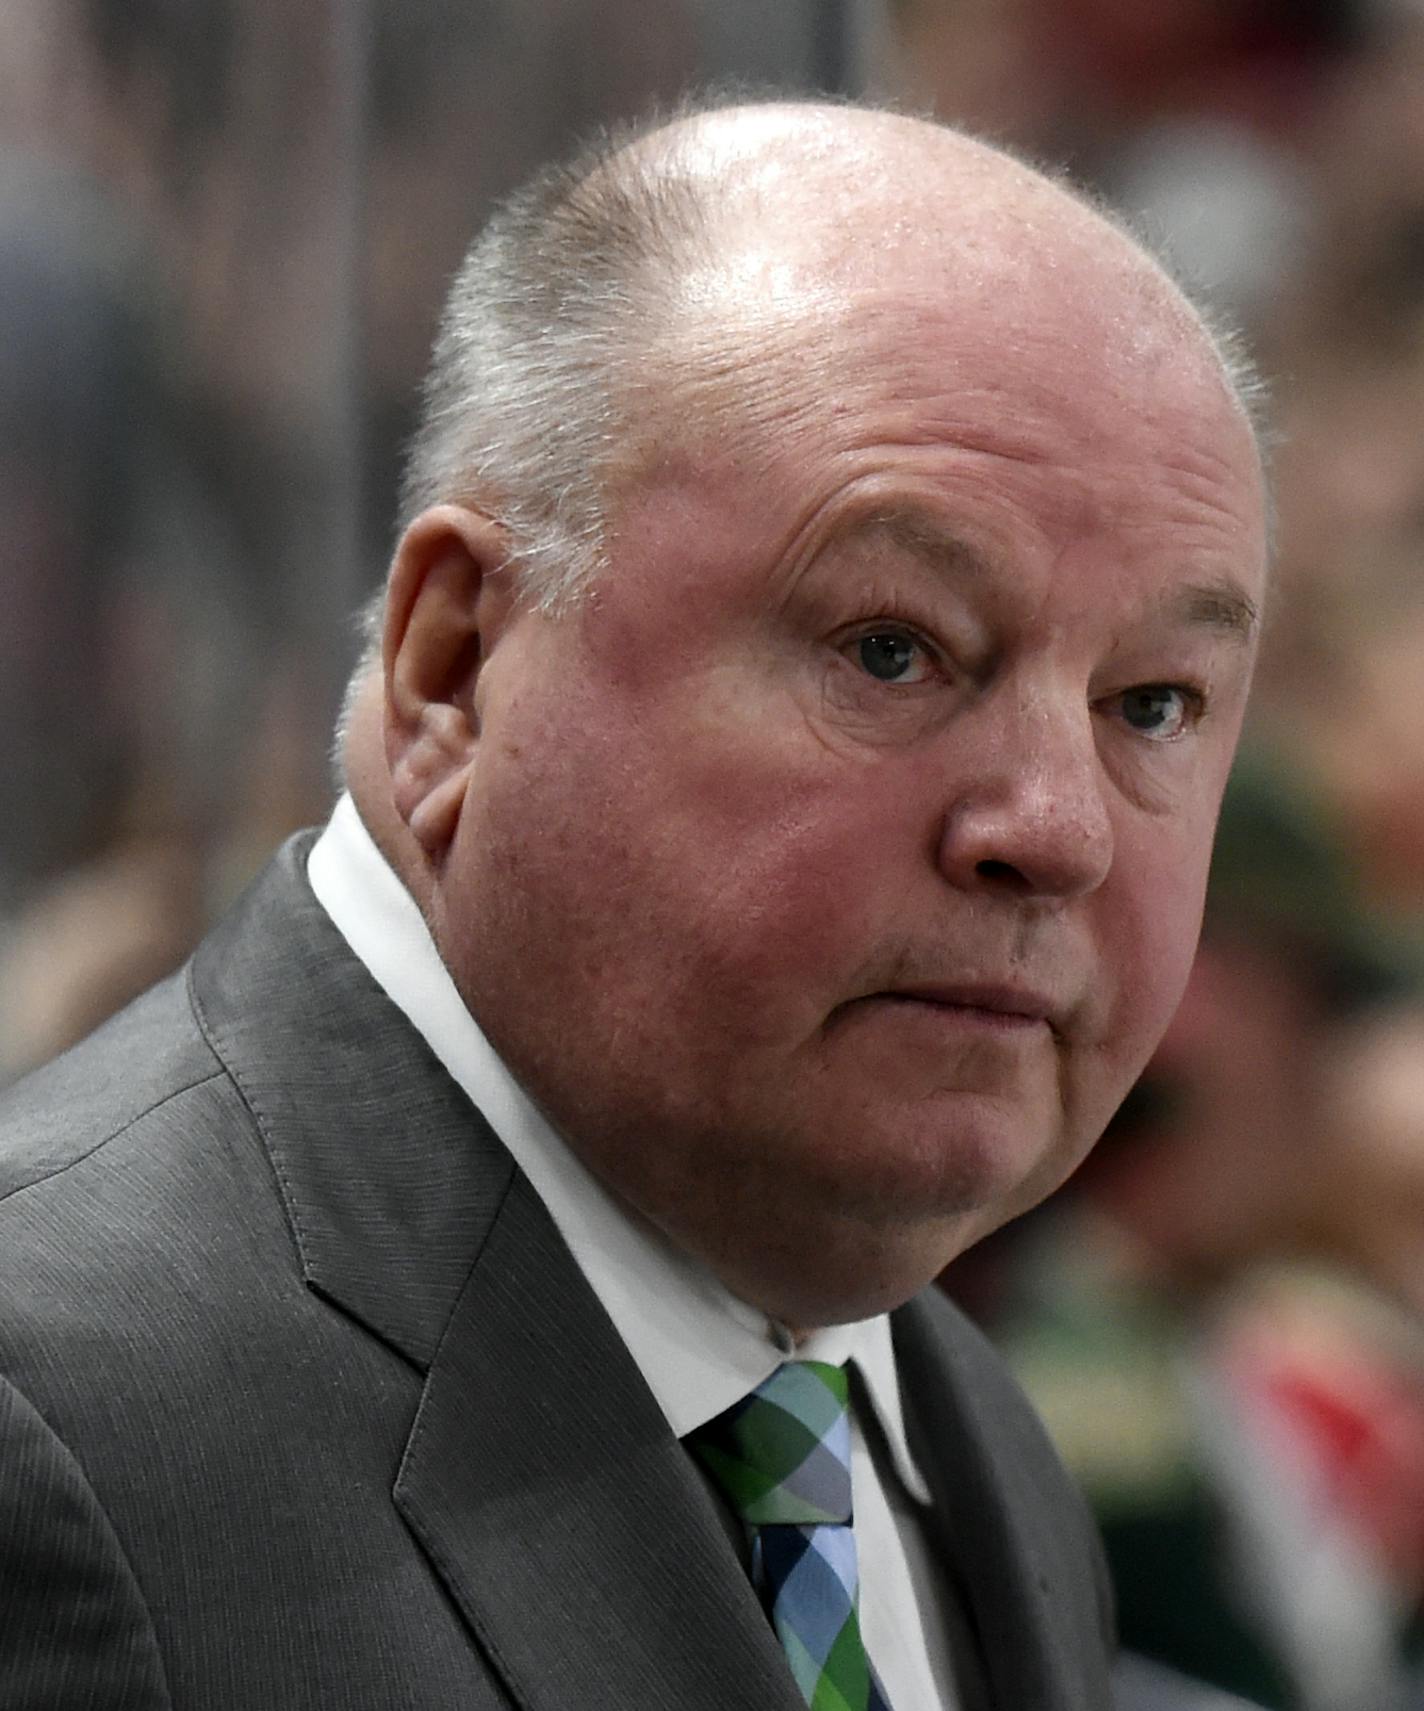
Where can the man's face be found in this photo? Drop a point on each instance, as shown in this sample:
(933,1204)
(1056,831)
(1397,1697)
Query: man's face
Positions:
(830,873)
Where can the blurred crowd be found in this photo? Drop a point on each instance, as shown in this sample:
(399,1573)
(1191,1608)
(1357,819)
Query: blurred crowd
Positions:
(224,230)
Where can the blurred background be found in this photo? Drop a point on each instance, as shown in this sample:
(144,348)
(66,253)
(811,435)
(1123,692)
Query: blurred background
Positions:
(225,228)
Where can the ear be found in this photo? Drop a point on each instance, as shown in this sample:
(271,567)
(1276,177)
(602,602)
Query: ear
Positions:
(447,597)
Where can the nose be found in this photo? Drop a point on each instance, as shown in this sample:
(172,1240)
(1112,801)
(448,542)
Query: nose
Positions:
(1028,812)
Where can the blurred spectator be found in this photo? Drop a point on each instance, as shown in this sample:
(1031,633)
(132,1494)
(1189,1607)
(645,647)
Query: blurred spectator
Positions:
(1074,79)
(90,942)
(76,396)
(123,653)
(1372,1192)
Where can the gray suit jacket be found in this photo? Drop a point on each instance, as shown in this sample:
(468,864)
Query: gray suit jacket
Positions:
(303,1402)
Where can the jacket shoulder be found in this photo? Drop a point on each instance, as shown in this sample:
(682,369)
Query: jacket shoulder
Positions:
(69,1109)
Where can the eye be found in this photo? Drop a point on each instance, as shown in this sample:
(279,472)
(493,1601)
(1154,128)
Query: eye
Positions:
(892,656)
(1159,711)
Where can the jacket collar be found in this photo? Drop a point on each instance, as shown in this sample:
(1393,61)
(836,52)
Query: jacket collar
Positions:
(1012,1532)
(389,1177)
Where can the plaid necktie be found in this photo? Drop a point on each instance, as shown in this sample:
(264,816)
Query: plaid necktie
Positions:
(782,1457)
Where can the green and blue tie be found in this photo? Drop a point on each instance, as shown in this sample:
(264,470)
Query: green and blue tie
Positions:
(782,1457)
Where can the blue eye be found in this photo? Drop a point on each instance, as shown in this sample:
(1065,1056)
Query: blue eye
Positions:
(891,656)
(1158,710)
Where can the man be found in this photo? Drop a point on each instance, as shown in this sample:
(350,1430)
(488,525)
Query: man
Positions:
(781,791)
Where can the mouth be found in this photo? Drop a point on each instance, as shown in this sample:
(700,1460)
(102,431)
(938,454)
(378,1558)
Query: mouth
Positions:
(997,1008)
(1024,1002)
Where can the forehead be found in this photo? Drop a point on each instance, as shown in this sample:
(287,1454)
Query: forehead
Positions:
(956,297)
(1090,389)
(1069,360)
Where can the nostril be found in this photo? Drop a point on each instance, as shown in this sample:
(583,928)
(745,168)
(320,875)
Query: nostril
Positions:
(996,870)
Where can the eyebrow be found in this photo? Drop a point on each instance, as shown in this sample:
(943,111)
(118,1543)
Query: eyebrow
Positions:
(1220,605)
(921,537)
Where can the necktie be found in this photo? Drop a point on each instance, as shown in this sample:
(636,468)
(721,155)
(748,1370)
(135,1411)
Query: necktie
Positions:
(782,1457)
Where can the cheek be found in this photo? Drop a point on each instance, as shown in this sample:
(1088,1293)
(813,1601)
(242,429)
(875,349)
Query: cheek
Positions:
(732,872)
(1150,935)
(767,881)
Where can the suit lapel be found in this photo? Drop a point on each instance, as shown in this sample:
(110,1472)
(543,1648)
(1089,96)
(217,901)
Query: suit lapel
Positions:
(388,1174)
(567,1522)
(540,1478)
(1005,1521)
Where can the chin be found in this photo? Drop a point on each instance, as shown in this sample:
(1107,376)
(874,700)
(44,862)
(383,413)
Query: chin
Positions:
(821,1294)
(810,1269)
(882,1233)
(955,1158)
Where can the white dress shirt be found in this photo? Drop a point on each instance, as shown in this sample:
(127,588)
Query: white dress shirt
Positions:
(697,1346)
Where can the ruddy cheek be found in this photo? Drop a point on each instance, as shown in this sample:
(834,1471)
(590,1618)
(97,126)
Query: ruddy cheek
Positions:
(1150,987)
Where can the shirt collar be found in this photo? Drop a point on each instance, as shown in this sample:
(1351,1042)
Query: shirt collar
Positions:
(699,1348)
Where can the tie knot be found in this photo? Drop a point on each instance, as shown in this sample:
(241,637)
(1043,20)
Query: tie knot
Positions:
(782,1454)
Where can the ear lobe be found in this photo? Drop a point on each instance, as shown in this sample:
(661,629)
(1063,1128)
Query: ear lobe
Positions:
(440,606)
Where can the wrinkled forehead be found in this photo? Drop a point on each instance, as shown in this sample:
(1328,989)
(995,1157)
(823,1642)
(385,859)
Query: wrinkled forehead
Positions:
(1034,363)
(945,348)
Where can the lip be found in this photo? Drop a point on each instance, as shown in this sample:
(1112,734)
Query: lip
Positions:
(1005,1004)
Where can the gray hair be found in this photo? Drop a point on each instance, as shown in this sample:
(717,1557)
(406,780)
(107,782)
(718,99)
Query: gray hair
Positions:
(550,335)
(538,352)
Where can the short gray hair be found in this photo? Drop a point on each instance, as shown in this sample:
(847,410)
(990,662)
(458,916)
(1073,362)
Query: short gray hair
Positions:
(525,402)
